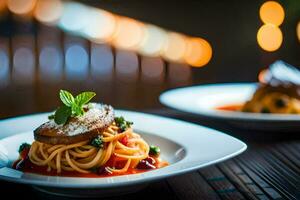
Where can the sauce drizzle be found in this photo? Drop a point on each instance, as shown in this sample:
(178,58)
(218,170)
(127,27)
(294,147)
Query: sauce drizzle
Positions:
(27,166)
(234,107)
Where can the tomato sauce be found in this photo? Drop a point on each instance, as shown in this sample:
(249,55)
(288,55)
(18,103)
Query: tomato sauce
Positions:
(235,107)
(27,166)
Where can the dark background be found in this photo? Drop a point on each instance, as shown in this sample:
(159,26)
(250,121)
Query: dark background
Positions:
(229,26)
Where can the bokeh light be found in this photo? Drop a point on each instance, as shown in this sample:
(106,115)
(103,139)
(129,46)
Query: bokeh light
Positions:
(76,62)
(75,16)
(48,11)
(152,74)
(2,5)
(198,52)
(298,31)
(179,73)
(269,37)
(23,66)
(4,68)
(102,62)
(126,65)
(51,64)
(154,40)
(261,75)
(175,47)
(21,6)
(271,12)
(100,27)
(129,33)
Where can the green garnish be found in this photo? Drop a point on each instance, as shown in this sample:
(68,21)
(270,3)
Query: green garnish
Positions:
(122,123)
(51,116)
(154,150)
(72,106)
(97,142)
(62,114)
(24,146)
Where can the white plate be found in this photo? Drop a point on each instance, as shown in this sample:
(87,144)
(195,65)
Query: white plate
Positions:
(204,99)
(186,146)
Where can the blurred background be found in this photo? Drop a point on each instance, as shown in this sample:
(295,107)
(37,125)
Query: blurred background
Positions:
(129,51)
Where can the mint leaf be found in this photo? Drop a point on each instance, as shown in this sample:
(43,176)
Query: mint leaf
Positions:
(51,116)
(77,110)
(72,106)
(62,114)
(66,97)
(84,98)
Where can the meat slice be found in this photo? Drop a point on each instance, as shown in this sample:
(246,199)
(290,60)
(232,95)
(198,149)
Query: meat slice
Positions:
(77,129)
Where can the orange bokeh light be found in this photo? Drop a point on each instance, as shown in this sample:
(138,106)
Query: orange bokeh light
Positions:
(261,76)
(271,12)
(298,31)
(198,52)
(153,41)
(101,26)
(269,37)
(125,33)
(2,5)
(21,6)
(48,11)
(129,33)
(175,47)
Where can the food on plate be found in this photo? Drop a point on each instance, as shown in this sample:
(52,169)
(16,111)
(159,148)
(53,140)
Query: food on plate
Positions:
(278,92)
(87,140)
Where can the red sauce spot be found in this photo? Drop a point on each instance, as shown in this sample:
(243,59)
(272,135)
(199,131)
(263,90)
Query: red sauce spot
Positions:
(147,163)
(124,140)
(24,153)
(26,166)
(103,171)
(234,107)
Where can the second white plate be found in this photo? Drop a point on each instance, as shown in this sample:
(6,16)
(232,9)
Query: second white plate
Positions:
(204,100)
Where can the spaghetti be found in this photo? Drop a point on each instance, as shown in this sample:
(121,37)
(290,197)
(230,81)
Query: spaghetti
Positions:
(82,156)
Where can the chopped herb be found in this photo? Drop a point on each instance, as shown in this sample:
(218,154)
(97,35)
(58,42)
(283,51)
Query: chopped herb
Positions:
(51,116)
(24,146)
(122,123)
(154,150)
(72,106)
(97,142)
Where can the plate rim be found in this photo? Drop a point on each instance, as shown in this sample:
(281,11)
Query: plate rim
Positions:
(136,181)
(228,115)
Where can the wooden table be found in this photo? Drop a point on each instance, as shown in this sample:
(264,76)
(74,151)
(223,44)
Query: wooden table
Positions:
(269,169)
